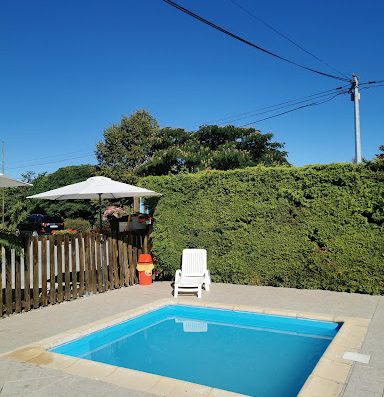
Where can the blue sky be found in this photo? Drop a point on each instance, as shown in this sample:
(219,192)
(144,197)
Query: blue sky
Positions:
(70,69)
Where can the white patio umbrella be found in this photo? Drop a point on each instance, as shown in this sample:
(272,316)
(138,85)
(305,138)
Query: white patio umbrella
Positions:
(6,181)
(96,187)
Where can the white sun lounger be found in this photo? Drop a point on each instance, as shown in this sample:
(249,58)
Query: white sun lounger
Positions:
(193,273)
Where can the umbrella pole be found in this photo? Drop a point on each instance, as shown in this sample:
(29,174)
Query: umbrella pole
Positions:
(100,220)
(102,243)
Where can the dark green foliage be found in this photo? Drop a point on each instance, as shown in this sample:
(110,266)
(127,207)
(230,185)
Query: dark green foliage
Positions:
(211,147)
(312,227)
(17,207)
(9,240)
(138,147)
(81,225)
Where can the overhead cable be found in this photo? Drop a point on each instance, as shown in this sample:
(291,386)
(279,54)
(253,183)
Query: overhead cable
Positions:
(251,113)
(293,110)
(241,39)
(285,37)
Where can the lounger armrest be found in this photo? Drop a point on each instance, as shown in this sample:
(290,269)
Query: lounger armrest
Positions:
(207,278)
(177,275)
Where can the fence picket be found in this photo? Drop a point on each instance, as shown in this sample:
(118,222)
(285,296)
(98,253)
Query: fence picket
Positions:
(81,264)
(67,275)
(35,263)
(59,243)
(44,299)
(8,280)
(110,263)
(99,264)
(105,264)
(1,282)
(52,271)
(132,269)
(93,265)
(125,259)
(17,283)
(115,262)
(121,261)
(87,273)
(74,267)
(27,275)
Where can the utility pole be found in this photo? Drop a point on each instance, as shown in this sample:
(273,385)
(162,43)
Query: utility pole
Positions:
(2,171)
(355,97)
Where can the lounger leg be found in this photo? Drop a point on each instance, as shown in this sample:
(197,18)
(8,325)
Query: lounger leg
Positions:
(199,292)
(175,293)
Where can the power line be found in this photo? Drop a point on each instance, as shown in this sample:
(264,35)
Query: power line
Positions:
(292,110)
(280,107)
(372,82)
(285,37)
(46,157)
(283,105)
(272,107)
(372,86)
(51,162)
(228,33)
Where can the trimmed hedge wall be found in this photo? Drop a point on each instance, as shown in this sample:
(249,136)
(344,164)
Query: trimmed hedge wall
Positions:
(310,227)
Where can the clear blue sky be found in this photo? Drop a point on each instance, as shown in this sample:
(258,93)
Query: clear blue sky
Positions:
(70,69)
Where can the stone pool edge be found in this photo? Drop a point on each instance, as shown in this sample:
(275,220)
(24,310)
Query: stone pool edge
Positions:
(328,378)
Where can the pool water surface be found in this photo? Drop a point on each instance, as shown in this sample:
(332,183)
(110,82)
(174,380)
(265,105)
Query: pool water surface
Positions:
(249,353)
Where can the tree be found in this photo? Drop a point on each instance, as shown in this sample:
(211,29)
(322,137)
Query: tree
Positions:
(138,147)
(17,207)
(211,147)
(129,144)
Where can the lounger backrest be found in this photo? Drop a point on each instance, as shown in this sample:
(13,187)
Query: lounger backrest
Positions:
(194,262)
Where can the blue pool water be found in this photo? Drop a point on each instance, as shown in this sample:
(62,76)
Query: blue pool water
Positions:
(253,354)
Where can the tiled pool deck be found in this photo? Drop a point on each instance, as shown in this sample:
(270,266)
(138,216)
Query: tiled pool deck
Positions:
(363,314)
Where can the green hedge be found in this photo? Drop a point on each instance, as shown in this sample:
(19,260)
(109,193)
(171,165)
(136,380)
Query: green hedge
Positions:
(311,227)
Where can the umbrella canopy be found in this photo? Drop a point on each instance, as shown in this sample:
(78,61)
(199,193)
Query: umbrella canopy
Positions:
(5,181)
(94,188)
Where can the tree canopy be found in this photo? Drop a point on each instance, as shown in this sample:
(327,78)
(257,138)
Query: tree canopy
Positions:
(140,147)
(17,207)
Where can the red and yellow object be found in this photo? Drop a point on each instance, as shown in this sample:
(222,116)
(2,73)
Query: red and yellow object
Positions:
(145,267)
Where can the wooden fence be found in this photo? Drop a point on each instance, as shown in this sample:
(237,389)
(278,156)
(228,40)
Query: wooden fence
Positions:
(53,269)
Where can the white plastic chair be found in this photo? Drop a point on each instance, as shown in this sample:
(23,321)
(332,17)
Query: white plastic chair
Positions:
(193,273)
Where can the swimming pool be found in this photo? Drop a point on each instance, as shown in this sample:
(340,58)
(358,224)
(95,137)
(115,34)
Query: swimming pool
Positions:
(254,354)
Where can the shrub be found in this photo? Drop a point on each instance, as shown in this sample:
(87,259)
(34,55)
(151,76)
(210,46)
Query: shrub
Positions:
(318,226)
(81,225)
